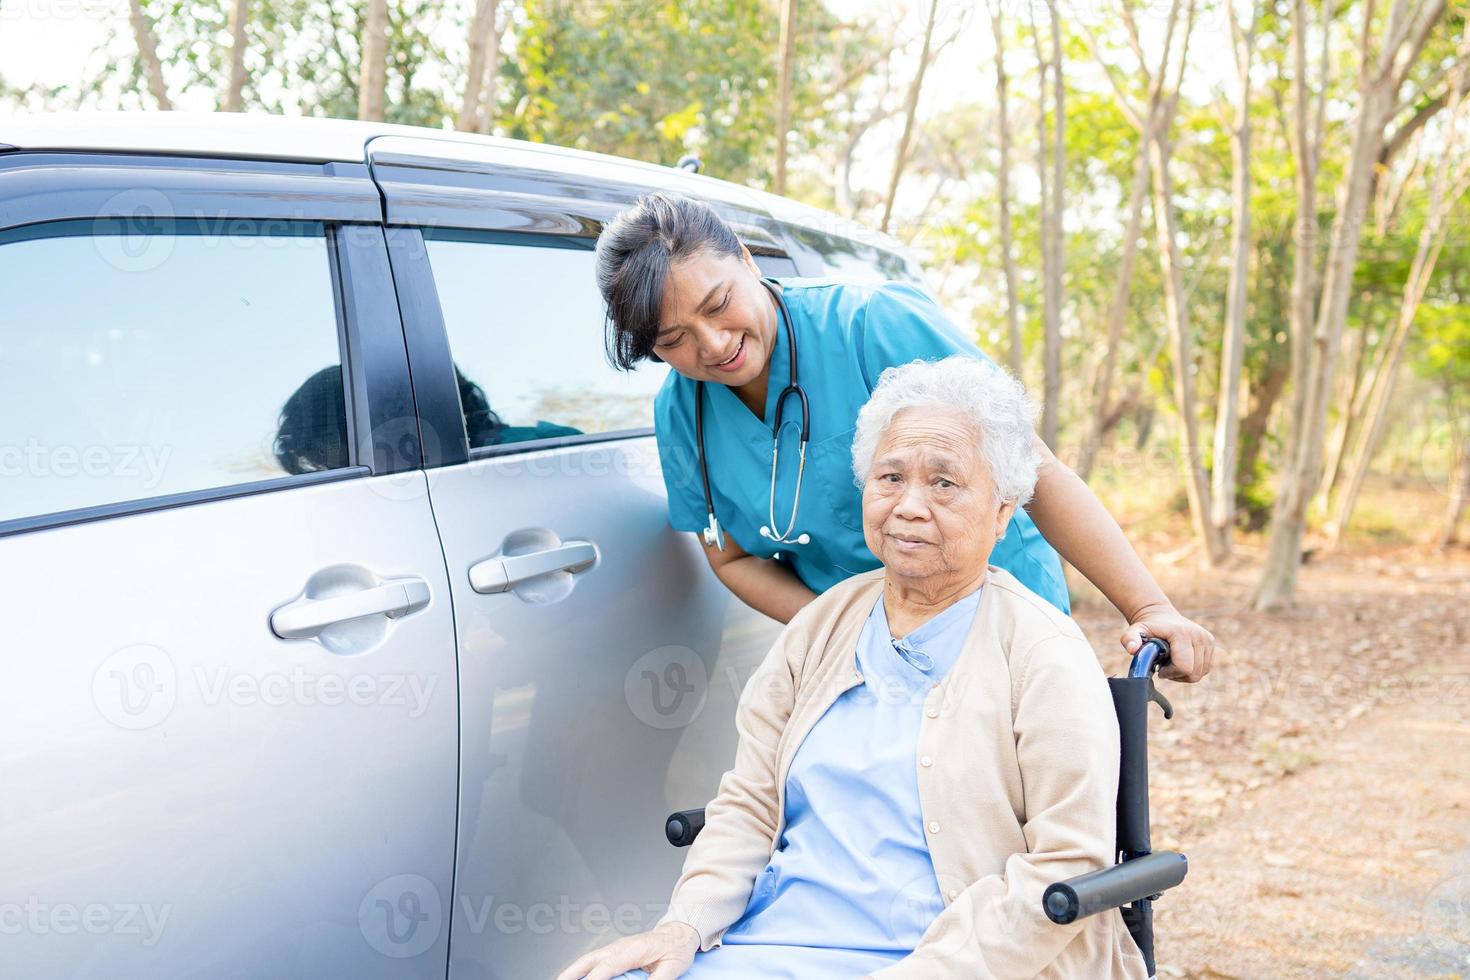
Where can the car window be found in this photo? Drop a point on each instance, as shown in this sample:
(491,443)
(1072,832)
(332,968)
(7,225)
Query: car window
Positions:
(856,261)
(140,360)
(526,327)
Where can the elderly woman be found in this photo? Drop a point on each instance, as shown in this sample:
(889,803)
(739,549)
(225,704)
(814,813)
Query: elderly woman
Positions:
(924,750)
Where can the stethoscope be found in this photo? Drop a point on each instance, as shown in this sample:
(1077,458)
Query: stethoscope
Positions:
(714,535)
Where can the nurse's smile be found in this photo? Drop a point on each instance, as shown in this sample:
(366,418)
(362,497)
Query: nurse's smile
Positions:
(736,361)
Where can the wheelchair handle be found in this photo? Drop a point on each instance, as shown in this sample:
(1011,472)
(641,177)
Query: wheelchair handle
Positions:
(1142,878)
(1150,657)
(683,826)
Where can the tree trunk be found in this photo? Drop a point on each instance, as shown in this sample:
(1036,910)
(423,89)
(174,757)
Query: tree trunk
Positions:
(1444,193)
(786,54)
(1003,195)
(1181,341)
(1117,312)
(235,93)
(1380,77)
(489,99)
(1232,355)
(373,75)
(1253,429)
(1459,497)
(1055,265)
(1353,401)
(481,38)
(148,53)
(1284,552)
(911,109)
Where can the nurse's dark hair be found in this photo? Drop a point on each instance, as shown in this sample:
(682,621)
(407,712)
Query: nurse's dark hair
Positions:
(634,254)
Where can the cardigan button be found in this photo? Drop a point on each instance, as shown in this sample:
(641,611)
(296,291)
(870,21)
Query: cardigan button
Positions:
(932,712)
(954,893)
(933,826)
(926,761)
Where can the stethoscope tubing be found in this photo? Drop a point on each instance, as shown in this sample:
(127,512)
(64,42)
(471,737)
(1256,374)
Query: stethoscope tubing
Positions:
(713,534)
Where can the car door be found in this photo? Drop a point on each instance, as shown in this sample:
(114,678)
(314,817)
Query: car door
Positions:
(228,698)
(600,659)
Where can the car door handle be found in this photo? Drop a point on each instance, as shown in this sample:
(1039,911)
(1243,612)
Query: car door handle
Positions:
(306,618)
(503,573)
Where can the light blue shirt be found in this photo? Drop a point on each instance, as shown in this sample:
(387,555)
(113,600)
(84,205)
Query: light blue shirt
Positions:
(846,335)
(851,887)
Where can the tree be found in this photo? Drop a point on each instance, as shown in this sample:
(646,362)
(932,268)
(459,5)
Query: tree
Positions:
(373,73)
(234,100)
(910,115)
(1383,68)
(1232,358)
(581,76)
(148,53)
(786,59)
(1003,193)
(1450,181)
(477,104)
(1154,125)
(1052,158)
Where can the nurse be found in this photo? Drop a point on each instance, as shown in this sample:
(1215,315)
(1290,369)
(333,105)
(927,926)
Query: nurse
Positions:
(681,288)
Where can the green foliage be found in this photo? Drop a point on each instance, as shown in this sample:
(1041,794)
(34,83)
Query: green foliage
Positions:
(302,56)
(656,79)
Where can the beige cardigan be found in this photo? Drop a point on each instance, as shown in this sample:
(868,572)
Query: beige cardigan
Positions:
(1019,792)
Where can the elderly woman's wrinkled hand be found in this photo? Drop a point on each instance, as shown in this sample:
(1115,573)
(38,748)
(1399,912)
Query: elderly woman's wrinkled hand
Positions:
(1191,646)
(666,952)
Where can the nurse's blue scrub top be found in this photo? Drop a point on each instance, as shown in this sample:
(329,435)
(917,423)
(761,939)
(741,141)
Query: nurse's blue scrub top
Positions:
(846,334)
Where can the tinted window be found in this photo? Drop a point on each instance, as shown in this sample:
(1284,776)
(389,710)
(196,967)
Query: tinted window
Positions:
(142,361)
(855,261)
(525,325)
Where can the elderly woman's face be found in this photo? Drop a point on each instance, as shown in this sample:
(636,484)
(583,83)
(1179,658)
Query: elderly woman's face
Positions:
(718,322)
(929,506)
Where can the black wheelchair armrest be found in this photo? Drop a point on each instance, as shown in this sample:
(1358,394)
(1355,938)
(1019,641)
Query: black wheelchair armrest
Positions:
(1122,884)
(682,827)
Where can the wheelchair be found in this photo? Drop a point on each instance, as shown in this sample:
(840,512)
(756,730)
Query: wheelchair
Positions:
(1140,875)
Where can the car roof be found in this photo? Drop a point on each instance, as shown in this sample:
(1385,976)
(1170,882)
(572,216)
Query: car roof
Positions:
(321,140)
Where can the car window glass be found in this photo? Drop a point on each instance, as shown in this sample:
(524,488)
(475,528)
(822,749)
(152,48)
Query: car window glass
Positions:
(140,360)
(526,329)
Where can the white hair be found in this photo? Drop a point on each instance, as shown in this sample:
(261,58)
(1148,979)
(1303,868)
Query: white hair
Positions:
(993,401)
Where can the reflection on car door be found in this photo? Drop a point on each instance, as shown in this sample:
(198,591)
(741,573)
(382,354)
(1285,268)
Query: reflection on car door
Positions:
(600,660)
(227,681)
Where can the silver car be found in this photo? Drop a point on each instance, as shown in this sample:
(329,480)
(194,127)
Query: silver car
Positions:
(345,631)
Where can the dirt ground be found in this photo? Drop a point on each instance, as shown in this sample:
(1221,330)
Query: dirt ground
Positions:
(1319,780)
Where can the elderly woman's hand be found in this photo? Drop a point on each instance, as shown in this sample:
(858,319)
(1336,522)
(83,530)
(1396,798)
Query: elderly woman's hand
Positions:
(666,952)
(1191,646)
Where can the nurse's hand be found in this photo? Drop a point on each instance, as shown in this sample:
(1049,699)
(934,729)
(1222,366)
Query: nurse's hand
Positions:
(1191,646)
(665,952)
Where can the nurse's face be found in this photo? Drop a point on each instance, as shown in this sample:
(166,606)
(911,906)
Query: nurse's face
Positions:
(717,322)
(930,513)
